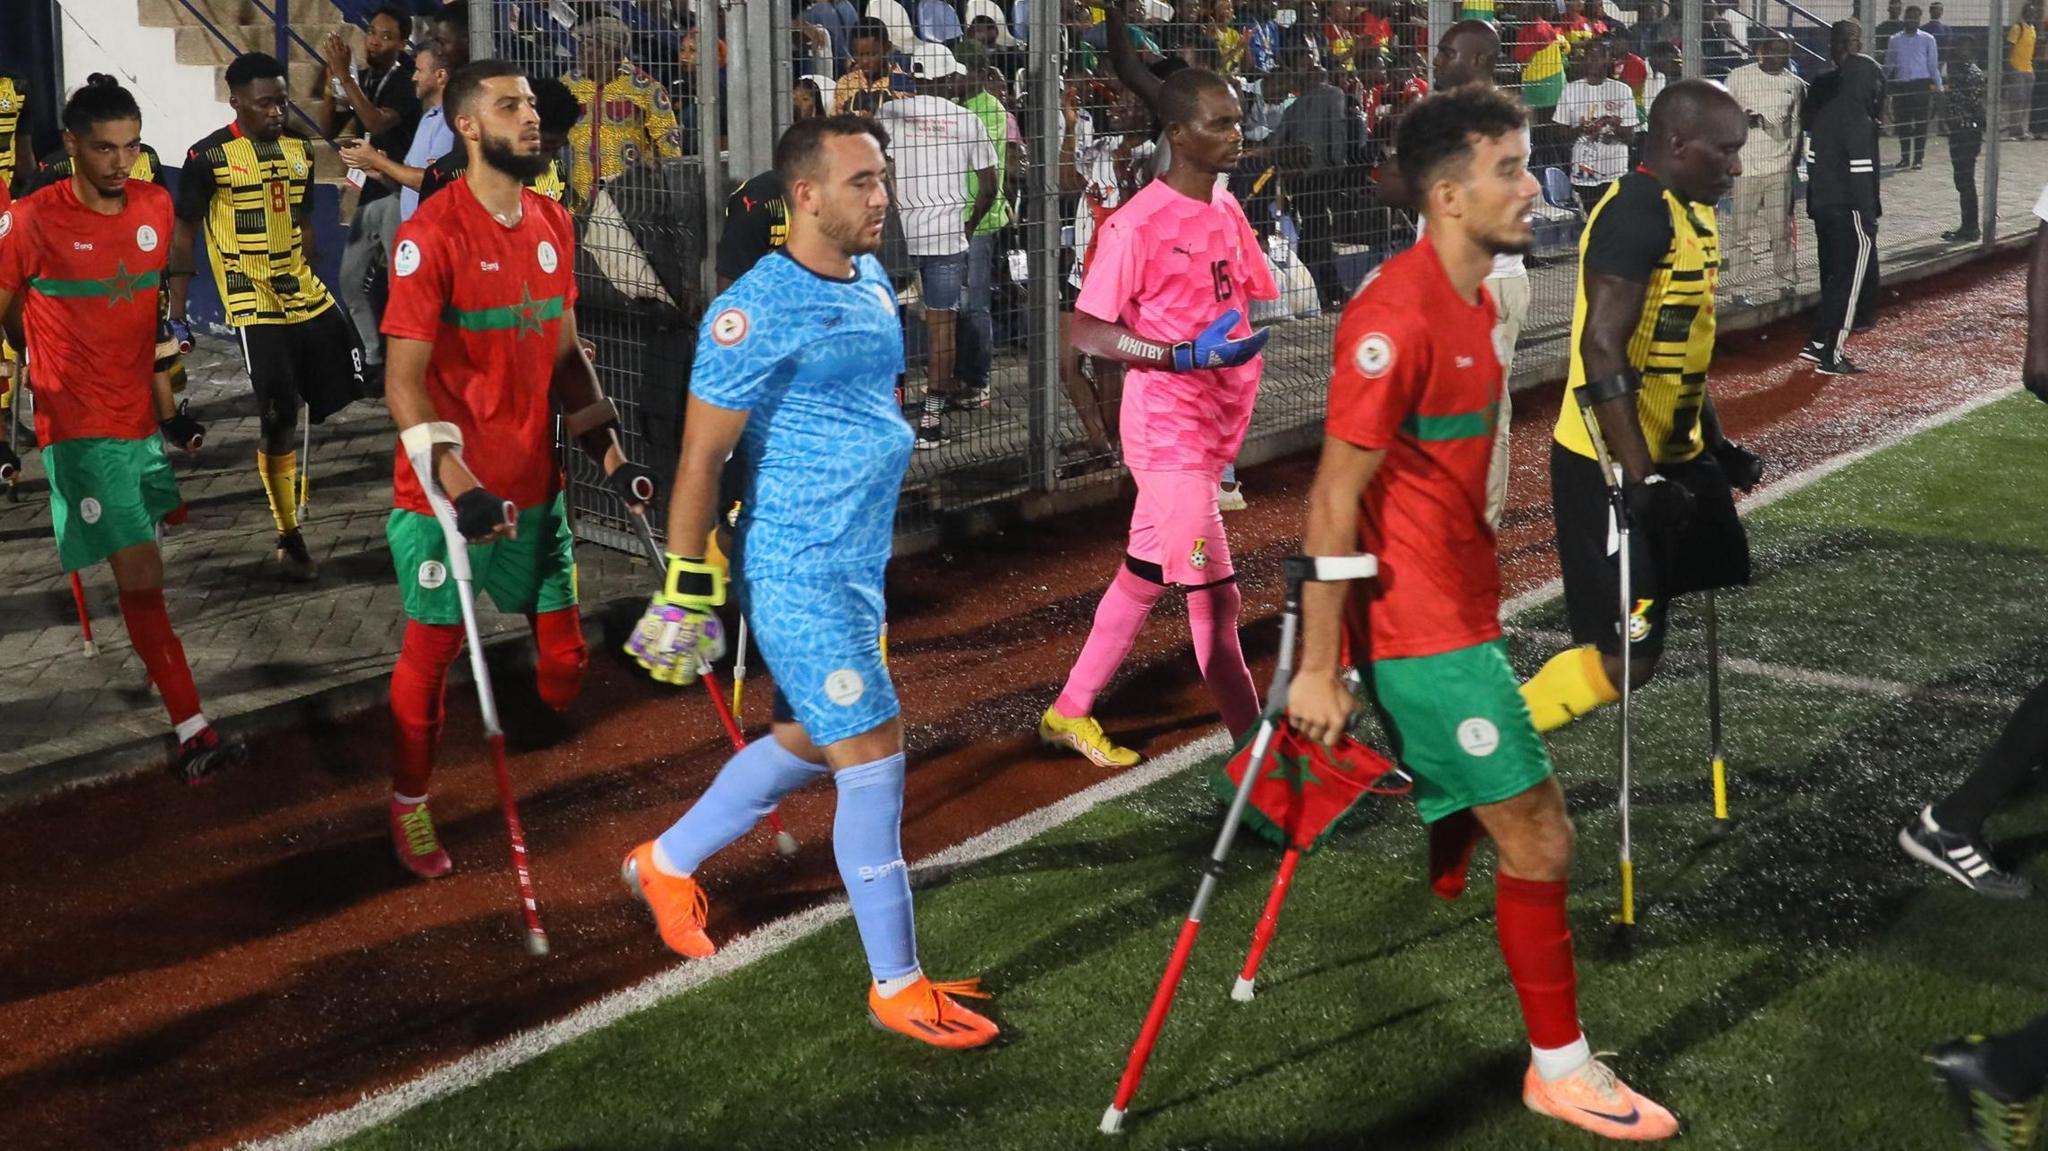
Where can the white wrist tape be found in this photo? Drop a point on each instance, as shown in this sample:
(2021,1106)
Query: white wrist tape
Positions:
(420,438)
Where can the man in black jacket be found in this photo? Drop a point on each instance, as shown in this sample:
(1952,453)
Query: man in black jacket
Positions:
(1841,116)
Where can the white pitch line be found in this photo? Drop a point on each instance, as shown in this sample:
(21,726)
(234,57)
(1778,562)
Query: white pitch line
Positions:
(386,1105)
(1804,676)
(383,1106)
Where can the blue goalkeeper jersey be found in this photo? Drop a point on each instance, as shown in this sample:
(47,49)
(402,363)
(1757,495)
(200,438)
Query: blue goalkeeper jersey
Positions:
(813,361)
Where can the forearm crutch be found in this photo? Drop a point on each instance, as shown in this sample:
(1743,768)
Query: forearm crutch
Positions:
(785,843)
(305,491)
(739,670)
(84,616)
(1617,504)
(1299,570)
(1269,919)
(487,703)
(1720,762)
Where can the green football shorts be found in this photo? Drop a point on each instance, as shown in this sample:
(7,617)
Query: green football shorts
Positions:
(1460,727)
(106,495)
(534,573)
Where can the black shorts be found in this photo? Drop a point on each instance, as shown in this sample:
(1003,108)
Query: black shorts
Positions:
(318,361)
(1712,552)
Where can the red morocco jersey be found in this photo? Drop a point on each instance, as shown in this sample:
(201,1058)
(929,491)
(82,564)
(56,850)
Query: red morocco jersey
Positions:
(491,301)
(1417,376)
(91,282)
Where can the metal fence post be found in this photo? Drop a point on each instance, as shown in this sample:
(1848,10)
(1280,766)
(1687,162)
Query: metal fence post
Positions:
(1994,122)
(482,27)
(1043,344)
(1692,25)
(708,12)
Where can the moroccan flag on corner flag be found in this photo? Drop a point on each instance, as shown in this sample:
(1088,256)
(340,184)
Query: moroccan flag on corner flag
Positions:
(1304,789)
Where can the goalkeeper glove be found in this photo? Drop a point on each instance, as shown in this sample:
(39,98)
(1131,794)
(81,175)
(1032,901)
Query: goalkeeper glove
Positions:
(1215,348)
(680,631)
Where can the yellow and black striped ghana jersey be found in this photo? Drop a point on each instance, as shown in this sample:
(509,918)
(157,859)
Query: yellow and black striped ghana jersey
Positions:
(1645,233)
(255,199)
(13,102)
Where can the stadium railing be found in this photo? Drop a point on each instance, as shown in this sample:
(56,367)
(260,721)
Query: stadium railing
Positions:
(1032,450)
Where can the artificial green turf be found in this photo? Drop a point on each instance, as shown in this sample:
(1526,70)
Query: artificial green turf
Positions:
(1785,980)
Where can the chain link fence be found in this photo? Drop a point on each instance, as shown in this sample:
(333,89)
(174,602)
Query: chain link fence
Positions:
(1013,137)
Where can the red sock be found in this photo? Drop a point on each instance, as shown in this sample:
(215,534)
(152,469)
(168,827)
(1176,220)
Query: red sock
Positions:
(563,656)
(417,686)
(149,629)
(1451,840)
(1536,941)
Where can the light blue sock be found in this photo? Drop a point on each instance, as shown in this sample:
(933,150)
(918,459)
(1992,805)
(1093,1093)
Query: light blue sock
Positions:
(1229,473)
(867,840)
(746,790)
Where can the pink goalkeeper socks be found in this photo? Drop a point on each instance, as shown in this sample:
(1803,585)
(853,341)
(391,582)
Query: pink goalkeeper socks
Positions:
(1212,616)
(1118,619)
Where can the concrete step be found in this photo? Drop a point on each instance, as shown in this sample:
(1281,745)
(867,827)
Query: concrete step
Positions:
(198,45)
(173,13)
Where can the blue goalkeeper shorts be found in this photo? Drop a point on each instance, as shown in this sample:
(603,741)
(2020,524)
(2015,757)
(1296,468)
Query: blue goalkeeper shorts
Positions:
(821,638)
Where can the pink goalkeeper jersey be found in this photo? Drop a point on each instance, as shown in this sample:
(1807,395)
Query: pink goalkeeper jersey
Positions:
(1166,267)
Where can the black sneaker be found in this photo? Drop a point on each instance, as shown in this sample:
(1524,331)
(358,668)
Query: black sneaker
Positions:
(1963,236)
(931,433)
(294,562)
(1814,352)
(1837,366)
(968,400)
(206,754)
(1997,1121)
(1960,858)
(10,464)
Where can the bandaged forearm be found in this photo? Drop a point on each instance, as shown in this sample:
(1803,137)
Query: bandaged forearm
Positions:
(419,439)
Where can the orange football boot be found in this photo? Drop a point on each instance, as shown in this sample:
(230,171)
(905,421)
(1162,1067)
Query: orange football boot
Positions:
(928,1012)
(677,902)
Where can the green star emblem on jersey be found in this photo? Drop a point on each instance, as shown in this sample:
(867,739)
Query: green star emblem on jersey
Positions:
(528,310)
(122,287)
(528,315)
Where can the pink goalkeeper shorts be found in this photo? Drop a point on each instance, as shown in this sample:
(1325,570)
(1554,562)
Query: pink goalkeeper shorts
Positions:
(1177,525)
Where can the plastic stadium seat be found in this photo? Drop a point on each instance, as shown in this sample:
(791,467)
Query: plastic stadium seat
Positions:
(1557,190)
(902,33)
(827,89)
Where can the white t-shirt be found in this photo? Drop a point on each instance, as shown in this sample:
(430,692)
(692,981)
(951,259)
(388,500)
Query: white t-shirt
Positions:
(935,144)
(1768,151)
(1507,263)
(1598,159)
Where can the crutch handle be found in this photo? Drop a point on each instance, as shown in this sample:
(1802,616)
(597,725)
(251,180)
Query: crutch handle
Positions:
(1331,569)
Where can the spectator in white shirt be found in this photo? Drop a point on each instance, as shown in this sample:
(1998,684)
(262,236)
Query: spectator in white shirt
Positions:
(934,145)
(1771,95)
(1601,113)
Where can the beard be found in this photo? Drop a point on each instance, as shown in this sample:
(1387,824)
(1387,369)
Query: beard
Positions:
(501,155)
(851,235)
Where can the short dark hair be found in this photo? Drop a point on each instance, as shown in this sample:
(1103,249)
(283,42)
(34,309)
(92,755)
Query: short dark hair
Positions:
(398,16)
(1180,96)
(101,99)
(798,152)
(465,82)
(1439,128)
(869,28)
(558,109)
(454,12)
(250,67)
